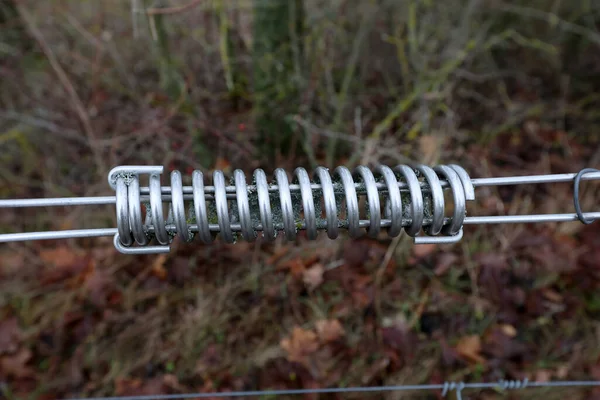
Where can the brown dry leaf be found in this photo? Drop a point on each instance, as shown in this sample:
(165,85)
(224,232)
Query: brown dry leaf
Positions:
(553,296)
(60,257)
(469,347)
(296,267)
(10,335)
(423,250)
(300,344)
(158,267)
(15,365)
(329,330)
(223,165)
(138,387)
(313,276)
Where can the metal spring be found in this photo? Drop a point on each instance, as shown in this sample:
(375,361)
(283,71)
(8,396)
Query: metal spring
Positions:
(395,199)
(403,198)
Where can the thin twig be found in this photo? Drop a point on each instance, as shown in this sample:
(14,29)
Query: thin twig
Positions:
(173,10)
(66,83)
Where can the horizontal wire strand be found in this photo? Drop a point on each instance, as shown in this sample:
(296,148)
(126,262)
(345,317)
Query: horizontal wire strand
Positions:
(296,188)
(188,190)
(447,387)
(484,220)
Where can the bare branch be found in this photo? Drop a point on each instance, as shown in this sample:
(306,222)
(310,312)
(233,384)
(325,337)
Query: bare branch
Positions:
(173,10)
(67,85)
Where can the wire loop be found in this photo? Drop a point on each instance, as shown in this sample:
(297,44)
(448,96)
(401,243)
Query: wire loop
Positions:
(576,200)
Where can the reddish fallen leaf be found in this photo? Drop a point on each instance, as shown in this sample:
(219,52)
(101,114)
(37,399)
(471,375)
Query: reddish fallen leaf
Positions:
(469,348)
(423,250)
(61,256)
(138,387)
(295,266)
(313,276)
(329,330)
(15,365)
(223,165)
(300,344)
(63,263)
(158,267)
(10,335)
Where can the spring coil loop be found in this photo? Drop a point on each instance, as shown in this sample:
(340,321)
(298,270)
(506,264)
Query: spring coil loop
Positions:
(405,197)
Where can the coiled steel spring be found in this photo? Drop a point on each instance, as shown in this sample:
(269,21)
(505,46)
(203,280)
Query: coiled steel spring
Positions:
(394,199)
(362,201)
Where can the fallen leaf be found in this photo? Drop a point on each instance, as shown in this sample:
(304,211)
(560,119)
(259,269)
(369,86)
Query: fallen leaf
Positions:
(552,295)
(158,267)
(300,344)
(15,365)
(223,164)
(138,387)
(329,330)
(423,250)
(509,330)
(313,276)
(543,375)
(469,347)
(10,335)
(60,257)
(295,266)
(64,264)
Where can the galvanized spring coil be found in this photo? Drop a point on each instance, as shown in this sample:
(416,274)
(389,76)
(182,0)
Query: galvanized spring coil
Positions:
(405,197)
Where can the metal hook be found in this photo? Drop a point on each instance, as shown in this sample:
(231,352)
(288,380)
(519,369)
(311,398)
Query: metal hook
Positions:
(439,239)
(139,250)
(576,183)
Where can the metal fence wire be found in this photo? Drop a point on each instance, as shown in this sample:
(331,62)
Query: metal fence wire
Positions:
(446,388)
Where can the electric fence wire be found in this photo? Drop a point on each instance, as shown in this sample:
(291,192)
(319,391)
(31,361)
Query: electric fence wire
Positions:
(446,388)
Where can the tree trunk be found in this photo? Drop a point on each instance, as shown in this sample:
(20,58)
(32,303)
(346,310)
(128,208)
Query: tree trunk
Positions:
(277,57)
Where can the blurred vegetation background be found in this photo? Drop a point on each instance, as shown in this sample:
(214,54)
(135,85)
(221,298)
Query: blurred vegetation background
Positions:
(501,87)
